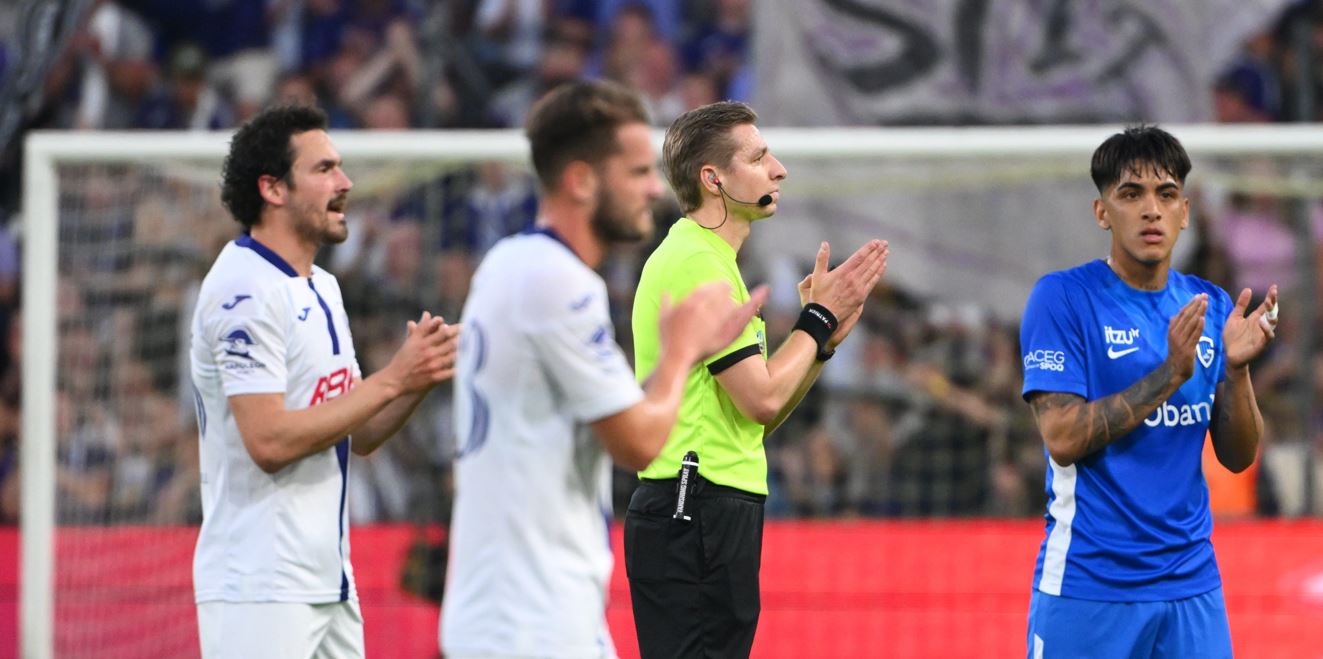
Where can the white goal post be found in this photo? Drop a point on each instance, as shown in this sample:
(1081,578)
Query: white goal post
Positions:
(46,151)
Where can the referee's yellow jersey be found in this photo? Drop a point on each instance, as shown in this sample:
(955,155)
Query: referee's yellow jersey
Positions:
(729,444)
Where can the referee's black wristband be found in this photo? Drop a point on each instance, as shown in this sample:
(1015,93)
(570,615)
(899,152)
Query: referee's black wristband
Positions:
(818,322)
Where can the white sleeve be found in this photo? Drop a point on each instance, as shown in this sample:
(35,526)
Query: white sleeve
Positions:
(576,345)
(246,334)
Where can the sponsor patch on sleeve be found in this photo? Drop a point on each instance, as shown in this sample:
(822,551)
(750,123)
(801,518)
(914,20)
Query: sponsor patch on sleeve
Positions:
(1046,360)
(239,344)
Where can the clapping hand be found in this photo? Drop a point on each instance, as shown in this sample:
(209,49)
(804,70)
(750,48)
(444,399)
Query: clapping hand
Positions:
(690,324)
(1245,337)
(847,286)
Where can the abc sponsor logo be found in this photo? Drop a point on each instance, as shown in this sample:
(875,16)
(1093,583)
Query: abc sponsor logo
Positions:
(1047,360)
(331,386)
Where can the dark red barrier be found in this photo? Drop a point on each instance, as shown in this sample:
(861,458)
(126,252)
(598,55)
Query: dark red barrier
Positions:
(830,589)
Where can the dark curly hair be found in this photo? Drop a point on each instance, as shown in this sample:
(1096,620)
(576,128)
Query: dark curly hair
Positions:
(261,147)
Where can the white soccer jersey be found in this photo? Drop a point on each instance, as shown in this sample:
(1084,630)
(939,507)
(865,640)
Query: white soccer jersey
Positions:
(530,553)
(261,328)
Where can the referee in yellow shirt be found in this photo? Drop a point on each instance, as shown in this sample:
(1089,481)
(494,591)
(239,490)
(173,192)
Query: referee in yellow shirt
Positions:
(693,560)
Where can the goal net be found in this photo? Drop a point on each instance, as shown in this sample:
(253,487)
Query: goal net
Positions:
(906,492)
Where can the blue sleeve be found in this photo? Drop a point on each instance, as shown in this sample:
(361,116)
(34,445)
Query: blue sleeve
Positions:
(1051,343)
(1223,311)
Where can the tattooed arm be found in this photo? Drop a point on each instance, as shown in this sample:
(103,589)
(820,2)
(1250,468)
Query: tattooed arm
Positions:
(1074,428)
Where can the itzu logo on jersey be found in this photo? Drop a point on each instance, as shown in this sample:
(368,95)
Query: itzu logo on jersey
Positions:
(1047,360)
(1122,337)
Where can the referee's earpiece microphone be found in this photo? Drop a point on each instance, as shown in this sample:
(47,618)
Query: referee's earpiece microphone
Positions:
(762,201)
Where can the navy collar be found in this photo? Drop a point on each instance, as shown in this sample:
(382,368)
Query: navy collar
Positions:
(247,240)
(550,233)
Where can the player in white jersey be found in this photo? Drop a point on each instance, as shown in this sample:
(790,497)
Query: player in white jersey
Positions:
(279,394)
(539,368)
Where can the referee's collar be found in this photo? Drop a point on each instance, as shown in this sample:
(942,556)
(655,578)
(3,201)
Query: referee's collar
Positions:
(247,240)
(688,225)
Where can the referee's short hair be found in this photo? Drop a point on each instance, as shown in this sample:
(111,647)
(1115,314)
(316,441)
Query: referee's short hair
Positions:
(577,121)
(699,137)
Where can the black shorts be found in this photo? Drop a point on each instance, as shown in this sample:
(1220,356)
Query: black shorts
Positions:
(694,584)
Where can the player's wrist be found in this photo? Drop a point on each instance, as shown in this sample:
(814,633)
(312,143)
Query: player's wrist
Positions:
(391,386)
(818,322)
(1237,372)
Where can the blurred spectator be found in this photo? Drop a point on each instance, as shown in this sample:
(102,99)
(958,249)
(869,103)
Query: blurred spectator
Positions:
(10,268)
(393,68)
(1234,100)
(511,35)
(1260,243)
(666,16)
(502,202)
(564,60)
(864,434)
(1250,89)
(9,457)
(185,101)
(295,88)
(655,75)
(237,36)
(720,47)
(117,69)
(85,463)
(698,89)
(631,33)
(386,112)
(322,30)
(452,272)
(1209,258)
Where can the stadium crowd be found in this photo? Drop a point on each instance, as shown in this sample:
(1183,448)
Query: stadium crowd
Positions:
(924,419)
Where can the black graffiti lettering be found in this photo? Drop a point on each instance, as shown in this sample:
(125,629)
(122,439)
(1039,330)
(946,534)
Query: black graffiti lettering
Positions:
(1055,50)
(918,56)
(1134,34)
(970,18)
(1149,35)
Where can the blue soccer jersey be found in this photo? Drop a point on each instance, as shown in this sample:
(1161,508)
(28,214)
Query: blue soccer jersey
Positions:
(1130,522)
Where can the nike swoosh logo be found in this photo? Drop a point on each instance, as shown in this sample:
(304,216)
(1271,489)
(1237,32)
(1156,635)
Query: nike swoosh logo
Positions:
(1113,353)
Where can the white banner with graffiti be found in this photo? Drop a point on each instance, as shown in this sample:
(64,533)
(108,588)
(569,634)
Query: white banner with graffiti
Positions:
(979,232)
(865,62)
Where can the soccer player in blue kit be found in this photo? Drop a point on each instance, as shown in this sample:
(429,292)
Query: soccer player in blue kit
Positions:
(1127,364)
